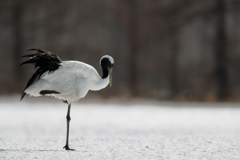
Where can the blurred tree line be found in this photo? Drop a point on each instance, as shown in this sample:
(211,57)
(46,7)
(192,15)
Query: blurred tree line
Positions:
(163,49)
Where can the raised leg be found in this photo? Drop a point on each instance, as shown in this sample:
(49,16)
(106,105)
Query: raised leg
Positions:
(68,122)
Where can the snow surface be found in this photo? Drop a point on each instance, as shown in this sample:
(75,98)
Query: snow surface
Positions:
(122,131)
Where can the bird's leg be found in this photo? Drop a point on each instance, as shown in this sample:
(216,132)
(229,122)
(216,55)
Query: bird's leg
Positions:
(68,121)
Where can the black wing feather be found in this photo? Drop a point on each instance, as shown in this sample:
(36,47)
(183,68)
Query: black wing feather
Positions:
(45,61)
(43,92)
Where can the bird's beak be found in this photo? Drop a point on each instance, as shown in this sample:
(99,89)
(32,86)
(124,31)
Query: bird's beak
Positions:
(110,76)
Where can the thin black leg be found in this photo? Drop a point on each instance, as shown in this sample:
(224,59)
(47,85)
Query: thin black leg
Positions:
(68,121)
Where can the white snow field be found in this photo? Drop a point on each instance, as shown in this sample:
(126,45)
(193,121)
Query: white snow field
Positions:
(102,130)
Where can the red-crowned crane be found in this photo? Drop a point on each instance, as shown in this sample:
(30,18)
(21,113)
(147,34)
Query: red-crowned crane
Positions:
(65,80)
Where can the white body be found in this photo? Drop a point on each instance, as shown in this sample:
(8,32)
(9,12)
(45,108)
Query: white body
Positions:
(73,79)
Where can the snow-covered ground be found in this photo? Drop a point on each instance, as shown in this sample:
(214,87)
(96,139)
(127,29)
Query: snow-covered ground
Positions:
(103,130)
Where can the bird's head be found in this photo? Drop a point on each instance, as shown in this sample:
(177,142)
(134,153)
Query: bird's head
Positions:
(107,63)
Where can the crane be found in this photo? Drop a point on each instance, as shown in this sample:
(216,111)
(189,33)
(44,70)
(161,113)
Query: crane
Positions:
(65,80)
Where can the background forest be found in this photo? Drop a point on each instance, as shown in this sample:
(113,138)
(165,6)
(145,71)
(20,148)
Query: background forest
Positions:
(185,50)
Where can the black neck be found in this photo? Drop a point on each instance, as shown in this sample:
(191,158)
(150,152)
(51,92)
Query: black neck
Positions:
(105,64)
(105,72)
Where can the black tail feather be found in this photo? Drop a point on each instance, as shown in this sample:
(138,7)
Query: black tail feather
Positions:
(29,61)
(23,94)
(29,55)
(38,50)
(44,60)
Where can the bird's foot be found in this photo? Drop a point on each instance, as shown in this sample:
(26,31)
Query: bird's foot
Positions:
(66,147)
(65,101)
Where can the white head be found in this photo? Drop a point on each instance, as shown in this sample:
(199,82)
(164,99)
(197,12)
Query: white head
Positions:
(107,63)
(107,57)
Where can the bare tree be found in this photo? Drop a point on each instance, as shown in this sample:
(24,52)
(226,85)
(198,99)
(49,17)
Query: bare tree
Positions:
(17,32)
(221,68)
(133,43)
